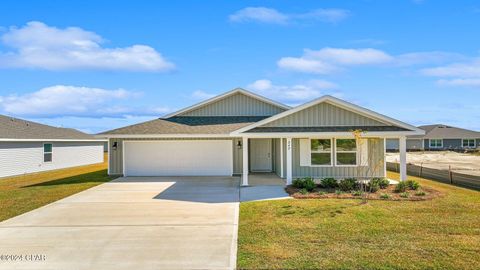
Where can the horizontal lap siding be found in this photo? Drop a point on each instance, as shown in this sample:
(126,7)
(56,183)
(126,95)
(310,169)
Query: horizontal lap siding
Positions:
(236,105)
(324,114)
(27,157)
(376,148)
(116,156)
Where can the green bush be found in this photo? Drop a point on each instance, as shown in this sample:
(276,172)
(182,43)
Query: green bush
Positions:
(401,187)
(404,194)
(373,186)
(329,182)
(303,191)
(321,193)
(348,184)
(381,181)
(413,185)
(384,196)
(357,193)
(420,193)
(304,183)
(338,192)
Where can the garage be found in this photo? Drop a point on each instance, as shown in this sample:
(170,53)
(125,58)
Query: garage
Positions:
(178,158)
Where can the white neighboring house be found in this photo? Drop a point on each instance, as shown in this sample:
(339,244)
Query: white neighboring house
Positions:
(29,147)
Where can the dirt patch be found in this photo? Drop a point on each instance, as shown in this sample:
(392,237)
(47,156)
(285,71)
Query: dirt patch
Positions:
(466,163)
(322,193)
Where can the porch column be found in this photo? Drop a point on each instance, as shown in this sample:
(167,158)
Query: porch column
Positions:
(289,161)
(281,158)
(245,161)
(402,146)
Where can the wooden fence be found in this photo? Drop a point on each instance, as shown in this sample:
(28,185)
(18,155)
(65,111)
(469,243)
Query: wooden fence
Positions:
(444,176)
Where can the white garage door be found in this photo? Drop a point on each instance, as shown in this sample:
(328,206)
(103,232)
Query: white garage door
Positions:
(178,158)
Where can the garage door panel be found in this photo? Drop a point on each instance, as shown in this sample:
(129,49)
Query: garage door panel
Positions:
(178,158)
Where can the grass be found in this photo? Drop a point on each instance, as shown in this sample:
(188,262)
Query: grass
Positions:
(443,233)
(24,193)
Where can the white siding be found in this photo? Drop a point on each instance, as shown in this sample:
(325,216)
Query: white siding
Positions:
(18,158)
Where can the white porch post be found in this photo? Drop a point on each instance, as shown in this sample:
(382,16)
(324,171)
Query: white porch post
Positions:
(289,161)
(245,161)
(281,158)
(402,145)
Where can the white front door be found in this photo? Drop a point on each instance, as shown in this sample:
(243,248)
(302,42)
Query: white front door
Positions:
(261,155)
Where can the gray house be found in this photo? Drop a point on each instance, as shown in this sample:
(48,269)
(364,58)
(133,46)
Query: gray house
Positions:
(239,132)
(28,147)
(440,137)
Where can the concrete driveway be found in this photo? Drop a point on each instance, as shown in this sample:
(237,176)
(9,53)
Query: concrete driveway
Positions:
(130,223)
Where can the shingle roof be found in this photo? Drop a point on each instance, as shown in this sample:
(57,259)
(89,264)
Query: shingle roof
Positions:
(440,131)
(188,125)
(327,129)
(14,128)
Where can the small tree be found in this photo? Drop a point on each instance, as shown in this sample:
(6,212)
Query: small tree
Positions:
(365,173)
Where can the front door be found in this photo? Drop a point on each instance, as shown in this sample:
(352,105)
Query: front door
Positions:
(261,155)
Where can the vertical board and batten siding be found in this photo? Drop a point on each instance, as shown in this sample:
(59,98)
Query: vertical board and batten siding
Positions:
(375,148)
(236,105)
(324,114)
(116,156)
(18,158)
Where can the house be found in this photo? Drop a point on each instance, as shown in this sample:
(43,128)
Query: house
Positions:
(28,147)
(239,132)
(440,137)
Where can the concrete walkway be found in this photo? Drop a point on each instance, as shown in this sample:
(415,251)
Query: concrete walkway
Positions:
(131,223)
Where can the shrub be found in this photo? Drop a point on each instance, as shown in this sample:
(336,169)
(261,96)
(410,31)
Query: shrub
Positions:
(401,187)
(357,193)
(304,183)
(321,193)
(381,181)
(329,182)
(373,186)
(384,196)
(404,194)
(338,192)
(303,191)
(420,193)
(413,185)
(348,184)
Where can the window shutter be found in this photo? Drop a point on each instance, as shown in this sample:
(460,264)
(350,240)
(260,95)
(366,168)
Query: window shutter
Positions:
(305,152)
(363,152)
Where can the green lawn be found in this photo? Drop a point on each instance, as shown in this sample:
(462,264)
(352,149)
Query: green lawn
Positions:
(343,234)
(21,194)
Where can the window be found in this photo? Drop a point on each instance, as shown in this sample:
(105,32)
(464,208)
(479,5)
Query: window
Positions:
(346,152)
(47,152)
(468,143)
(436,143)
(321,151)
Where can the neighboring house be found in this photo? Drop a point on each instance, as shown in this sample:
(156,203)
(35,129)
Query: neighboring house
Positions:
(28,147)
(440,137)
(239,132)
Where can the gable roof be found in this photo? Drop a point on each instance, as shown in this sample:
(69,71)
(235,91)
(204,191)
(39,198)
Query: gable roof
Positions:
(340,103)
(18,129)
(225,95)
(185,125)
(440,131)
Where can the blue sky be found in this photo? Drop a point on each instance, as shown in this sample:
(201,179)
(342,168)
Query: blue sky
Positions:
(98,65)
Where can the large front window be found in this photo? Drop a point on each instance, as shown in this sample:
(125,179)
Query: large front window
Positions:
(436,143)
(321,152)
(47,152)
(346,152)
(468,143)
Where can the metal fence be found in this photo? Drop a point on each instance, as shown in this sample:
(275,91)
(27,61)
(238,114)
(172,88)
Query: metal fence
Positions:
(444,176)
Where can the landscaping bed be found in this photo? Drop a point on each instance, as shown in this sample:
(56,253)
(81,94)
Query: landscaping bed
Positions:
(375,189)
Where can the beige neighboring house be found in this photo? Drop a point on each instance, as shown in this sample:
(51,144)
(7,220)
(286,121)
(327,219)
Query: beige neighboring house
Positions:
(29,147)
(239,133)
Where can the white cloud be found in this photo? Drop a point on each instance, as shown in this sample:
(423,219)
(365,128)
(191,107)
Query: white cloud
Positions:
(460,82)
(328,60)
(62,100)
(37,45)
(463,70)
(295,93)
(199,94)
(273,16)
